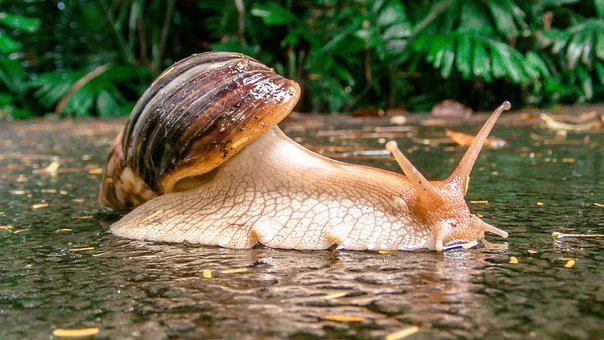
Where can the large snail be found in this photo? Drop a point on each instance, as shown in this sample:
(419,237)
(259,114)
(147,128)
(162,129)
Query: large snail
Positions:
(201,160)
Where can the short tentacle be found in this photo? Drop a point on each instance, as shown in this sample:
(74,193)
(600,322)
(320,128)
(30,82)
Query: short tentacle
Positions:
(415,177)
(494,230)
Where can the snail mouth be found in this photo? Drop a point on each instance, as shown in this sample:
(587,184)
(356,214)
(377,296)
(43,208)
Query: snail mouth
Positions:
(459,244)
(468,237)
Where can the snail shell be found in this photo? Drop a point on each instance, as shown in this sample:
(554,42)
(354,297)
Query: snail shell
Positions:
(196,115)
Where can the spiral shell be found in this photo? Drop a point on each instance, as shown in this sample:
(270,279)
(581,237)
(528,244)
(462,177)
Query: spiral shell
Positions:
(197,114)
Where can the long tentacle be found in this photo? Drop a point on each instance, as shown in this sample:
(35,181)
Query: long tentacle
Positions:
(461,175)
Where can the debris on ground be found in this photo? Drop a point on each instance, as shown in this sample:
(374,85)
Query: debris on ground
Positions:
(451,108)
(463,139)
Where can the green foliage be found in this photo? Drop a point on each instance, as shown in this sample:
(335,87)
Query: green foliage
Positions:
(12,74)
(96,57)
(345,55)
(100,93)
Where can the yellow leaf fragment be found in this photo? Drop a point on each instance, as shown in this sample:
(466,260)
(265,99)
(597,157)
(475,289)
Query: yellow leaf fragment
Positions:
(49,191)
(463,139)
(206,273)
(64,230)
(569,264)
(344,318)
(403,333)
(38,206)
(95,171)
(234,271)
(568,160)
(599,205)
(480,202)
(557,125)
(81,249)
(333,296)
(387,251)
(6,227)
(556,234)
(85,217)
(51,170)
(75,332)
(540,203)
(513,260)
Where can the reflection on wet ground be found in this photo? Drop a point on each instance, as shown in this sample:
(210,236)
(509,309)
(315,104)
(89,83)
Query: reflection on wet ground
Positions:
(60,268)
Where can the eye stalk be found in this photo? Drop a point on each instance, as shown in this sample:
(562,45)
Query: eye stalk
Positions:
(450,219)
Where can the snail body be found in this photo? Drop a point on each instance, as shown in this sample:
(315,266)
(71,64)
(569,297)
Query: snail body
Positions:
(216,170)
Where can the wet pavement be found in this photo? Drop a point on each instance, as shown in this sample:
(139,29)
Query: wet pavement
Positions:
(60,268)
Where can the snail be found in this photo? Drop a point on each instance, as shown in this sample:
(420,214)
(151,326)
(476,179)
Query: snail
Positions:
(201,160)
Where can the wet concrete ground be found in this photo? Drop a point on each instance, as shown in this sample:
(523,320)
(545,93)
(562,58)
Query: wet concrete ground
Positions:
(60,268)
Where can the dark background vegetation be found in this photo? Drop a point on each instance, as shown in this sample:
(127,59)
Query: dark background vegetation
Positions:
(95,57)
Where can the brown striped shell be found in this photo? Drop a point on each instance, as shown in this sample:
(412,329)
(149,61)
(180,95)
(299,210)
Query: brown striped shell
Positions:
(196,114)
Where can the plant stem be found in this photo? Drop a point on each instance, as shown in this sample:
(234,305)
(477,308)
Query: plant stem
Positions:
(164,35)
(120,38)
(78,85)
(435,11)
(241,11)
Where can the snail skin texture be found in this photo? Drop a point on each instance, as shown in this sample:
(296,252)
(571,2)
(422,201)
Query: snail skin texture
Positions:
(201,160)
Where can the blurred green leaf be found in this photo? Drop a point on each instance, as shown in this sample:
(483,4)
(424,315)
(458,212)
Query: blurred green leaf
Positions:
(106,105)
(447,58)
(50,87)
(393,13)
(234,45)
(474,18)
(583,41)
(538,64)
(481,62)
(11,75)
(600,71)
(273,14)
(19,22)
(81,102)
(6,98)
(585,81)
(463,59)
(8,44)
(599,5)
(599,46)
(503,18)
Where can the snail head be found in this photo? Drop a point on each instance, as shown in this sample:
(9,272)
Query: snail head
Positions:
(440,205)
